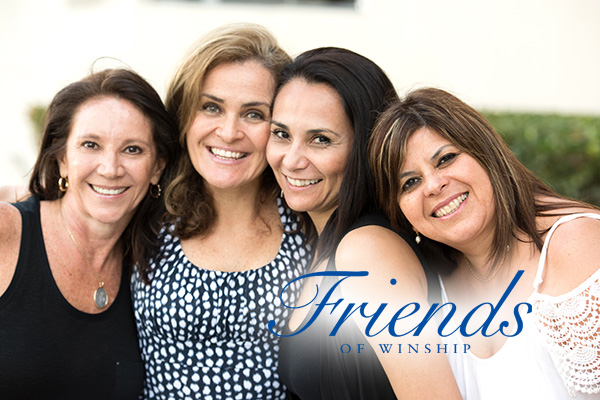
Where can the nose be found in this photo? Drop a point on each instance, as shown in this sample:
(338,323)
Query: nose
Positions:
(434,184)
(295,158)
(110,165)
(230,130)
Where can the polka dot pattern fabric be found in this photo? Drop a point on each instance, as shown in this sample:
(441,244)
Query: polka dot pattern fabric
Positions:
(204,334)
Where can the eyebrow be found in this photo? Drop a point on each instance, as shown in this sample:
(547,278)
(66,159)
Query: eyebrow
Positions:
(310,131)
(433,157)
(245,105)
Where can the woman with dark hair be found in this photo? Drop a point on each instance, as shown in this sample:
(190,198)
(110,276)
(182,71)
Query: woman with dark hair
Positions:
(488,222)
(323,113)
(67,328)
(229,244)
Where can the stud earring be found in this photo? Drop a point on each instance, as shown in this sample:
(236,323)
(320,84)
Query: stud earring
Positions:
(63,184)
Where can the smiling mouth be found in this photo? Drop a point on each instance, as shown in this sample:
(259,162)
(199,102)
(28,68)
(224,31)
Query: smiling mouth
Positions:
(226,154)
(302,182)
(451,207)
(105,191)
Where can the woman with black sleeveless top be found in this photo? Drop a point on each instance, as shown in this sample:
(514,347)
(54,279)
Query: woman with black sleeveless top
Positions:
(323,113)
(67,329)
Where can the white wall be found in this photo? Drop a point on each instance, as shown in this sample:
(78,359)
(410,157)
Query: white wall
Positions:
(539,55)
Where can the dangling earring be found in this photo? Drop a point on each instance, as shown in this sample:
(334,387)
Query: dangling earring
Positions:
(418,237)
(63,184)
(155,190)
(281,194)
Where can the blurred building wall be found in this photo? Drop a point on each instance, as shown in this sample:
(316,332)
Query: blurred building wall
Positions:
(533,55)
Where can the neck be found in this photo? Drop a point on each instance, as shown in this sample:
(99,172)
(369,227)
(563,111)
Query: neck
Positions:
(99,242)
(319,219)
(236,206)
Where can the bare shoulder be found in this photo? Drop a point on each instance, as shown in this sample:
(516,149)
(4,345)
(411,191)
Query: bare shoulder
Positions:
(10,239)
(13,193)
(386,256)
(573,253)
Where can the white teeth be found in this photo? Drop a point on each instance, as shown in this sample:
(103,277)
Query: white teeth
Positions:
(108,191)
(303,182)
(451,207)
(226,155)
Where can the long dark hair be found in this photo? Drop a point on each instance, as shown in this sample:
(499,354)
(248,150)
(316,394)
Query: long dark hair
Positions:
(139,239)
(365,91)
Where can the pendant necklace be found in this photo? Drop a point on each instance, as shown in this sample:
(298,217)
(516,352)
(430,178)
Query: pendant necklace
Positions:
(100,296)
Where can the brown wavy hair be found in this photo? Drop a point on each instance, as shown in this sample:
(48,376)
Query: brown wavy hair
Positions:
(140,238)
(518,193)
(189,204)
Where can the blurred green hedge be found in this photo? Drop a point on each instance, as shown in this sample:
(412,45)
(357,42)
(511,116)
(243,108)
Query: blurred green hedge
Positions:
(563,151)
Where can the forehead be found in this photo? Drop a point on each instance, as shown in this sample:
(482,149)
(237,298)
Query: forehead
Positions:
(246,77)
(310,104)
(111,117)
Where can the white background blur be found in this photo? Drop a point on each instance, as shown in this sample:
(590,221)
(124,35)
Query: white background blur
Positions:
(505,55)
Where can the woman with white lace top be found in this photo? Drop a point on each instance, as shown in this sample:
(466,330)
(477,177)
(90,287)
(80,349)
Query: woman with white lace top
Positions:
(443,171)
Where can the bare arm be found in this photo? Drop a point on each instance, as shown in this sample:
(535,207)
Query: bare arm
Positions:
(10,241)
(389,259)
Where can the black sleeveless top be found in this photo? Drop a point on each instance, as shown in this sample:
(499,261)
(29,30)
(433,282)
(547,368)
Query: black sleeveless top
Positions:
(315,366)
(49,349)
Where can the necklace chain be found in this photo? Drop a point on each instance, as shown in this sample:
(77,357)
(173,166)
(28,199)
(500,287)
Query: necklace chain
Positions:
(100,297)
(476,275)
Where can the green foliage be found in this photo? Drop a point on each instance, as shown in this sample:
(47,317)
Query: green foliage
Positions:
(563,151)
(36,116)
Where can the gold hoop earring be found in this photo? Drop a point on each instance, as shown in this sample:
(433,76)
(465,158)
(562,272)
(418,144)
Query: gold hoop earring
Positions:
(155,191)
(63,184)
(418,237)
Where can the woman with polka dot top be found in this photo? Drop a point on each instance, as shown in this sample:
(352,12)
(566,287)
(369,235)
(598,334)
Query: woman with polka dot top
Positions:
(229,244)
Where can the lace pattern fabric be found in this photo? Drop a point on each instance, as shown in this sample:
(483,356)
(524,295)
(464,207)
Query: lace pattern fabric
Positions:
(571,327)
(572,331)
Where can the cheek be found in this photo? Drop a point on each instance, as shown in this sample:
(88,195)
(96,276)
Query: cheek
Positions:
(273,154)
(409,206)
(260,138)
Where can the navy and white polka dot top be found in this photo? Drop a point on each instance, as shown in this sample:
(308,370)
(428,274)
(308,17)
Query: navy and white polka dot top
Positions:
(203,333)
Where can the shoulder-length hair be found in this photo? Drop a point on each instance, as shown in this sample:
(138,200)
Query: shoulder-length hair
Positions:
(189,204)
(517,191)
(140,237)
(365,91)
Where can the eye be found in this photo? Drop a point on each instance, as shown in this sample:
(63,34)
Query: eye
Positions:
(133,150)
(446,158)
(409,184)
(280,134)
(211,108)
(255,115)
(321,139)
(89,145)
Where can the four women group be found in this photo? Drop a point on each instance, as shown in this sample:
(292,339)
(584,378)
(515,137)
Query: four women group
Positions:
(426,202)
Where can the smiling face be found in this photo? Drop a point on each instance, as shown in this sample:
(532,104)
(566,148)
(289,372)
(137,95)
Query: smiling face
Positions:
(309,147)
(445,193)
(110,160)
(228,137)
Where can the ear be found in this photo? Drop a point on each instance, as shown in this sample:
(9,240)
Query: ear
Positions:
(63,167)
(157,170)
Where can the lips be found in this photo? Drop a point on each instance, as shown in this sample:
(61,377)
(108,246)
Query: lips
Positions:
(226,154)
(108,191)
(450,207)
(302,182)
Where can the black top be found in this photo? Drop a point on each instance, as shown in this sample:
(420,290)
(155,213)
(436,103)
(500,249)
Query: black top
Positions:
(49,349)
(313,365)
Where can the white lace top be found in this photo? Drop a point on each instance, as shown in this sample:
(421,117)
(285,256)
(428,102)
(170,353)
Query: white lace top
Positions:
(556,356)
